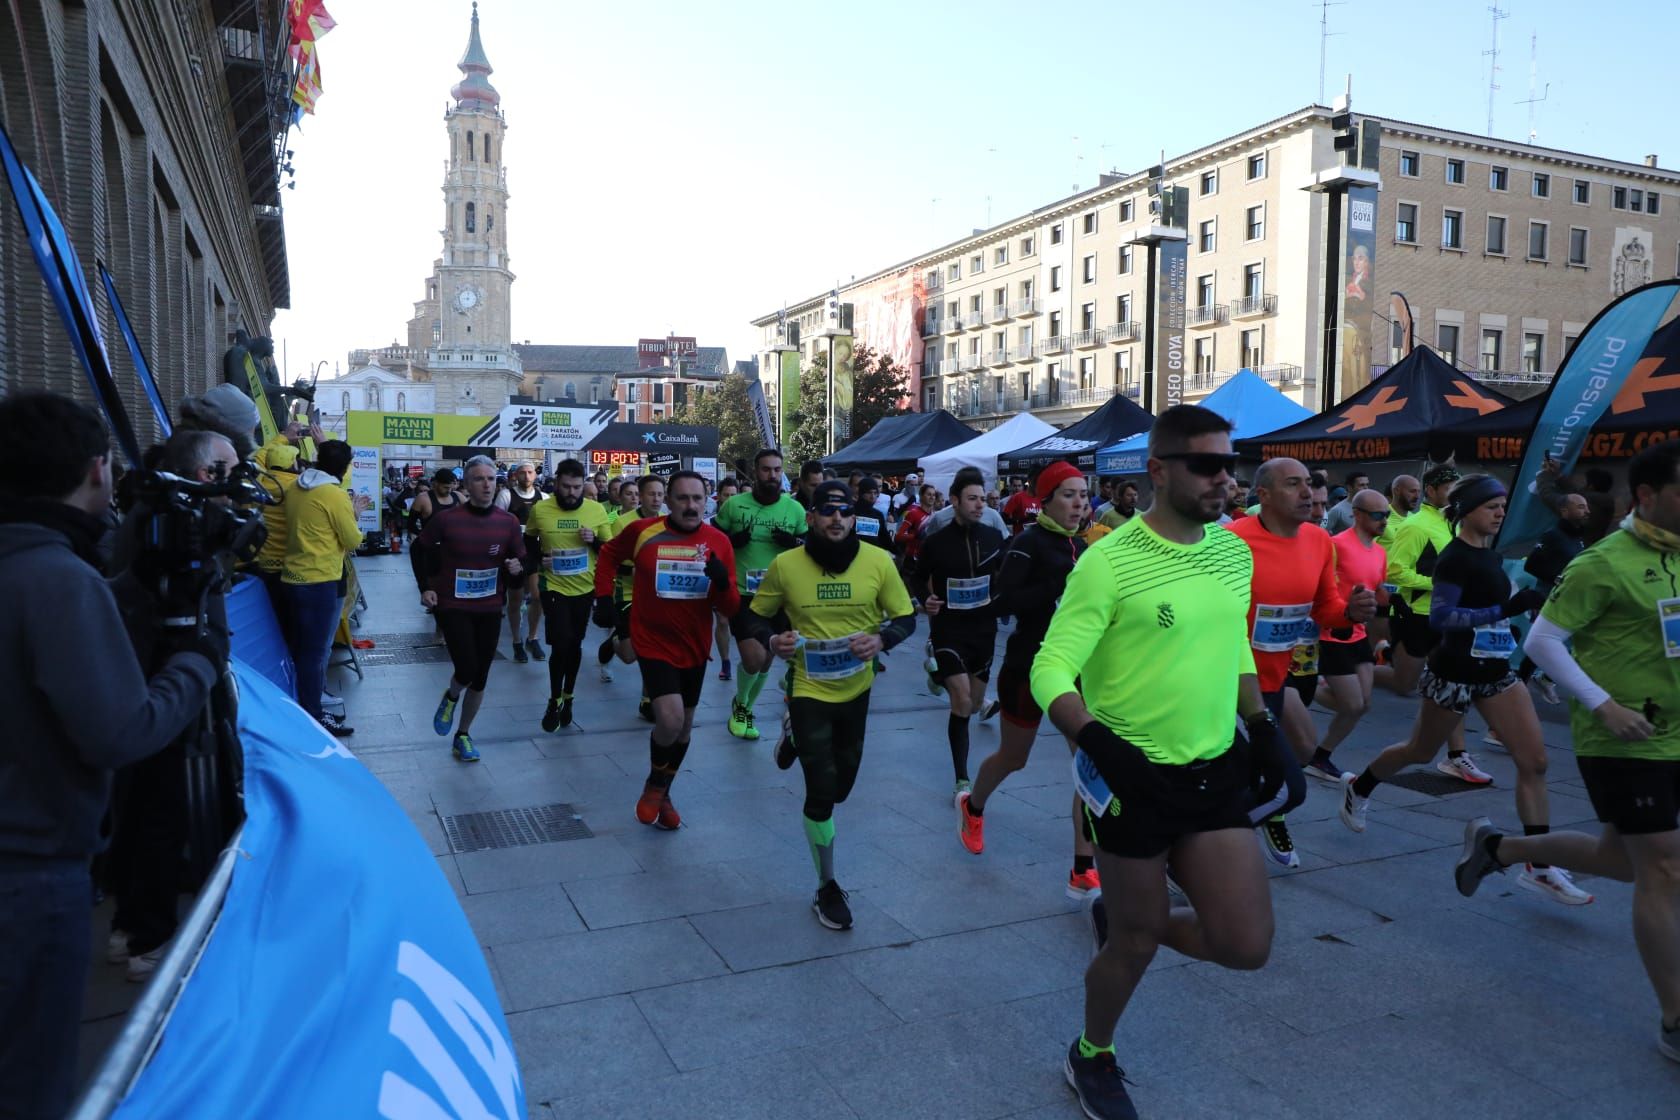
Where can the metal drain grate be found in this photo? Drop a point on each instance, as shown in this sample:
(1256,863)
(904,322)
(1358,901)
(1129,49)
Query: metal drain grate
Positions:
(413,655)
(1432,783)
(514,828)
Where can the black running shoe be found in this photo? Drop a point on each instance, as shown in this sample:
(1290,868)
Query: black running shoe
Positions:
(336,726)
(1100,1084)
(519,653)
(991,709)
(534,648)
(786,756)
(566,712)
(830,906)
(551,715)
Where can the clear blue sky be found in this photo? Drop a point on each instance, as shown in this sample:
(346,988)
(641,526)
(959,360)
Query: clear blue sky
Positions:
(686,167)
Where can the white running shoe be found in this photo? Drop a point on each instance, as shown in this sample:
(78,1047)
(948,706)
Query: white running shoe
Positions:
(1554,883)
(1547,689)
(1353,807)
(606,674)
(1464,768)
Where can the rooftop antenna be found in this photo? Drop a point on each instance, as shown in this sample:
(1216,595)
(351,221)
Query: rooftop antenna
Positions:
(1493,64)
(1324,34)
(1533,77)
(1076,160)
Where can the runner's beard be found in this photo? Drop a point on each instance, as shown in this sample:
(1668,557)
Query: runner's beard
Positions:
(766,493)
(568,503)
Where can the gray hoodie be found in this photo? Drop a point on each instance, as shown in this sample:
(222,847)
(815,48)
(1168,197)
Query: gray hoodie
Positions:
(77,703)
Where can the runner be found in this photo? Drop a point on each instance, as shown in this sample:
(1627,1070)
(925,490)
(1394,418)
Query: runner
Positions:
(726,489)
(829,608)
(1345,654)
(1124,506)
(683,571)
(517,497)
(1294,594)
(954,577)
(1619,604)
(909,535)
(1019,511)
(467,549)
(650,493)
(426,505)
(1157,595)
(872,527)
(568,530)
(1030,583)
(624,504)
(1470,604)
(761,524)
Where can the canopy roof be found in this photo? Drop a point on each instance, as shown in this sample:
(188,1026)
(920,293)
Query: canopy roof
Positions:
(1078,443)
(895,443)
(983,450)
(1247,400)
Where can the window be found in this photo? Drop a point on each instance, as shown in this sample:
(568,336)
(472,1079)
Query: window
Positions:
(1204,354)
(1577,246)
(472,219)
(1257,166)
(1405,223)
(469,147)
(1088,223)
(1636,201)
(632,392)
(487,149)
(1569,343)
(1125,259)
(1026,289)
(1122,309)
(345,403)
(976,263)
(570,391)
(1088,317)
(1618,198)
(1000,297)
(1204,291)
(953,310)
(1025,338)
(1537,241)
(489,218)
(1651,202)
(1056,234)
(658,392)
(1055,324)
(1055,278)
(1254,281)
(1210,183)
(1534,352)
(1088,269)
(953,271)
(1254,224)
(950,351)
(1498,178)
(1452,229)
(1123,366)
(1496,235)
(1583,192)
(974,303)
(1026,246)
(932,280)
(1409,164)
(1205,237)
(1252,348)
(1542,187)
(1492,340)
(1087,373)
(1446,342)
(999,340)
(1126,210)
(1455,171)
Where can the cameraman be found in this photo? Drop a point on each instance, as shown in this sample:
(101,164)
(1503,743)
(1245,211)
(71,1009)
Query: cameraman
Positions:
(62,632)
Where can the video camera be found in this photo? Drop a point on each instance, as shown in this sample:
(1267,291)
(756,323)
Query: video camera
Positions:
(191,535)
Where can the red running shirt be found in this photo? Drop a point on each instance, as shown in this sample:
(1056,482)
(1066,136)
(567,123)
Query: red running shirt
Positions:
(1358,566)
(1020,511)
(1294,588)
(673,599)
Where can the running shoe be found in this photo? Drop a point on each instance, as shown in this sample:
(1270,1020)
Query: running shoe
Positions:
(1096,920)
(1547,689)
(1326,770)
(931,667)
(142,965)
(1353,807)
(1668,1041)
(962,786)
(1274,837)
(1554,883)
(830,906)
(991,709)
(335,726)
(1083,884)
(1100,1085)
(1464,768)
(1492,739)
(534,648)
(741,721)
(726,673)
(649,803)
(331,703)
(551,715)
(667,818)
(116,947)
(971,830)
(786,753)
(606,674)
(519,653)
(645,709)
(1475,862)
(565,711)
(444,717)
(463,750)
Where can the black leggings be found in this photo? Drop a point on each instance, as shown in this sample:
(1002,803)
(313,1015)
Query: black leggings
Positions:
(565,619)
(828,738)
(471,638)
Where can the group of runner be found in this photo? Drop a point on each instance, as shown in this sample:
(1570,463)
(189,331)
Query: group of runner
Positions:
(1172,768)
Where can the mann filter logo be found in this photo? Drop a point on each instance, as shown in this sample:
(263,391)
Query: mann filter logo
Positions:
(409,427)
(1362,215)
(557,419)
(828,591)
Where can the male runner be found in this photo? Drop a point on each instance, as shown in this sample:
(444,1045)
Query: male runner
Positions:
(842,605)
(909,536)
(1020,510)
(1124,506)
(761,524)
(649,492)
(517,498)
(1030,583)
(1157,595)
(467,549)
(871,523)
(953,577)
(683,571)
(1623,681)
(426,505)
(1344,654)
(727,488)
(568,529)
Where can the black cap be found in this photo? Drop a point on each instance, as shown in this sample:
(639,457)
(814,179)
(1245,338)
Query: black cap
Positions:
(832,490)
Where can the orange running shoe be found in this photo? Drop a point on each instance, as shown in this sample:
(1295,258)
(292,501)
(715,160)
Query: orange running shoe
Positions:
(648,804)
(971,830)
(1083,884)
(668,819)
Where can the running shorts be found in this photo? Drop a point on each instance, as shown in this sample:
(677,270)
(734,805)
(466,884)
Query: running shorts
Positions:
(661,678)
(742,624)
(1015,698)
(1304,683)
(957,654)
(1456,697)
(1413,634)
(1205,796)
(566,618)
(1343,659)
(1635,796)
(470,637)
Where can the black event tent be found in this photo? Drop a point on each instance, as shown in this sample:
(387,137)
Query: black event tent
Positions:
(894,444)
(1401,415)
(1079,443)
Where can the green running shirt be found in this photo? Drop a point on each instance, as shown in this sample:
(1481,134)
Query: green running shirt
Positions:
(1156,634)
(743,512)
(1418,543)
(1611,599)
(826,608)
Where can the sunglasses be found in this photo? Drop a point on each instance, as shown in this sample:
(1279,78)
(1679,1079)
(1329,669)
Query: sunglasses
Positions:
(1205,463)
(834,511)
(1374,515)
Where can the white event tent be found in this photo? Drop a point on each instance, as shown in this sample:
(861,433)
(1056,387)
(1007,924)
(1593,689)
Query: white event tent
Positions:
(982,451)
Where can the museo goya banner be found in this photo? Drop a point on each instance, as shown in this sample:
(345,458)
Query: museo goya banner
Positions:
(1603,358)
(516,426)
(1358,290)
(1172,268)
(342,978)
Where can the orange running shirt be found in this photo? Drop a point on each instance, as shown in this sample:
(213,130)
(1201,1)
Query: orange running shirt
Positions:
(1356,566)
(1293,595)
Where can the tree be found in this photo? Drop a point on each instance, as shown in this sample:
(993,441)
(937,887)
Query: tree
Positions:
(879,386)
(729,409)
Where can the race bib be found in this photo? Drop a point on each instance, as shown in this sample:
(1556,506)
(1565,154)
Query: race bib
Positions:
(569,561)
(1493,642)
(681,579)
(1304,661)
(1279,629)
(754,578)
(831,659)
(1391,589)
(475,583)
(1668,613)
(1090,785)
(868,527)
(968,594)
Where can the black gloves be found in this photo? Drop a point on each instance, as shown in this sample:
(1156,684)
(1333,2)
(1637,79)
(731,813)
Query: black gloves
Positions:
(716,571)
(785,539)
(1528,599)
(740,538)
(1265,757)
(605,614)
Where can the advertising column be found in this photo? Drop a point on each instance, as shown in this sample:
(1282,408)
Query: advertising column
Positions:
(1172,264)
(1359,290)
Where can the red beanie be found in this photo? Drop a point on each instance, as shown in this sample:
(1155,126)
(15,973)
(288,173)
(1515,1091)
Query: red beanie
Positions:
(1053,476)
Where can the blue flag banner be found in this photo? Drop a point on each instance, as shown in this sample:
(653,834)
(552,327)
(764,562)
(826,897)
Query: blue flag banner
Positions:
(255,634)
(141,369)
(62,271)
(341,978)
(1592,374)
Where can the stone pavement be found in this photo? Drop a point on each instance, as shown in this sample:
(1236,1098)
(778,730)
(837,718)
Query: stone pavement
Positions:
(683,974)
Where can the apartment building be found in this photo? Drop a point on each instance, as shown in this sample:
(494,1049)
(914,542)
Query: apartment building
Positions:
(1504,251)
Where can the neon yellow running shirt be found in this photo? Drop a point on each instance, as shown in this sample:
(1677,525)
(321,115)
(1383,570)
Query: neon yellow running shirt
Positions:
(568,564)
(827,609)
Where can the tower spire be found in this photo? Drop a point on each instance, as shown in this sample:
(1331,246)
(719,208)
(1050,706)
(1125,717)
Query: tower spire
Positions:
(475,88)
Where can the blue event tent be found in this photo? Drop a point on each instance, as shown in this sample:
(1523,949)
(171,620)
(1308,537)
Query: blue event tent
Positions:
(1246,400)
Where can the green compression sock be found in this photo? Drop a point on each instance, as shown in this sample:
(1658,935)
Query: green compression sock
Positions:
(1086,1050)
(756,687)
(820,835)
(743,688)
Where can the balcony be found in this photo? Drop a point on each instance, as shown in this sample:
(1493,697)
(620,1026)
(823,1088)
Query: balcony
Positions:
(1028,353)
(1055,345)
(1122,332)
(1207,315)
(996,358)
(1254,307)
(1096,394)
(1511,376)
(1206,382)
(980,403)
(930,326)
(1280,373)
(948,366)
(953,324)
(974,360)
(974,319)
(1133,390)
(1000,313)
(1027,308)
(1088,340)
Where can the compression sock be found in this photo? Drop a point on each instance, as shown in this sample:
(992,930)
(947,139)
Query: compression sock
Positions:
(757,687)
(1365,783)
(820,836)
(1492,846)
(659,760)
(1537,830)
(605,653)
(1086,1050)
(1454,754)
(956,730)
(1082,864)
(743,687)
